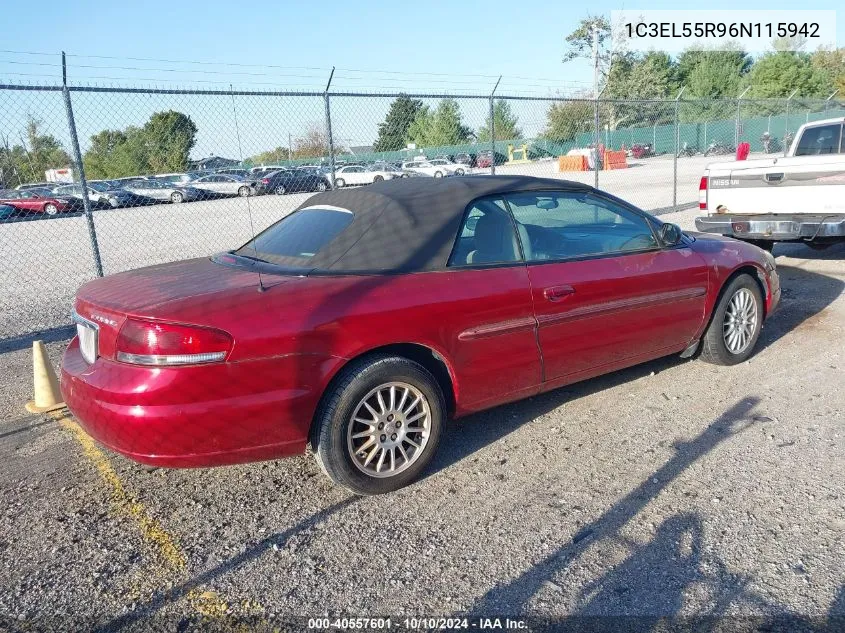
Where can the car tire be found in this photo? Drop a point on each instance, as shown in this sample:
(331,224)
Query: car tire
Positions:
(378,178)
(459,172)
(342,456)
(51,209)
(438,174)
(729,338)
(339,183)
(322,186)
(176,197)
(280,190)
(243,192)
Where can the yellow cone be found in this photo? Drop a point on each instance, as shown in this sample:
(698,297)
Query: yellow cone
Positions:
(47,394)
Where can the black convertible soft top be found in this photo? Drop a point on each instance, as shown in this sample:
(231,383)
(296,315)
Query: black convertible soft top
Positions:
(407,224)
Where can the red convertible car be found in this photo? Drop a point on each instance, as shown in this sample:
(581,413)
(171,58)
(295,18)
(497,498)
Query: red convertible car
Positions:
(364,319)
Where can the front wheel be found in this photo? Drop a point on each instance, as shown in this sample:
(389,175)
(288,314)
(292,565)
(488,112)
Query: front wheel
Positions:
(459,172)
(378,178)
(438,174)
(243,192)
(378,425)
(176,197)
(735,325)
(51,209)
(280,190)
(322,186)
(339,183)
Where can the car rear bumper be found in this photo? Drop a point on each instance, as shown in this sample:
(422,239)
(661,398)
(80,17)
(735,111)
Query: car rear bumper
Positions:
(204,415)
(774,227)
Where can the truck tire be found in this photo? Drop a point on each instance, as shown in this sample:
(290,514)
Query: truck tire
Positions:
(735,325)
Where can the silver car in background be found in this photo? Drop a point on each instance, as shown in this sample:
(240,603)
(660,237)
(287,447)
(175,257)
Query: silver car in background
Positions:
(226,185)
(163,191)
(100,194)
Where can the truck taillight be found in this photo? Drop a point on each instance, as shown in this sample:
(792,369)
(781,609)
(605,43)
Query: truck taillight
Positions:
(702,193)
(143,342)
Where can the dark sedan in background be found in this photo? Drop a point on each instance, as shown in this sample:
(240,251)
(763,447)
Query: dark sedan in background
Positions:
(291,180)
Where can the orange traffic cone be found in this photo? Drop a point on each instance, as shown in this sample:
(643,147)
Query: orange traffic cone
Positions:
(48,397)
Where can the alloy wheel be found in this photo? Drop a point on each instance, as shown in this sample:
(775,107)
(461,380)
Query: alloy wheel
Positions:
(389,429)
(740,321)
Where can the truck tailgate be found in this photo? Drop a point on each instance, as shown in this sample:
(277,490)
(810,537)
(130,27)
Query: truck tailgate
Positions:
(805,184)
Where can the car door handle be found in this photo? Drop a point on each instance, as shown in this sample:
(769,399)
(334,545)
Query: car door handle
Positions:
(558,293)
(774,178)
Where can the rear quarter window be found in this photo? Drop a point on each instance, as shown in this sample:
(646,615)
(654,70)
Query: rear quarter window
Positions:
(302,234)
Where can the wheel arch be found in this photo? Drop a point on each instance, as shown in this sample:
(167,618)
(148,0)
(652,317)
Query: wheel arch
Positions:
(435,362)
(753,271)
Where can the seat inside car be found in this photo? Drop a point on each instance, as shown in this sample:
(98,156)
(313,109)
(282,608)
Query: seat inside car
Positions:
(495,240)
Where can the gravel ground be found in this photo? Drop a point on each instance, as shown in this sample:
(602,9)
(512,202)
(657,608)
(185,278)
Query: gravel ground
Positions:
(47,260)
(675,488)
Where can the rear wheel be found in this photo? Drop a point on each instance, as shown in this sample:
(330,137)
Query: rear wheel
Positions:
(176,197)
(459,172)
(438,174)
(735,325)
(51,209)
(280,190)
(378,425)
(243,192)
(322,186)
(339,183)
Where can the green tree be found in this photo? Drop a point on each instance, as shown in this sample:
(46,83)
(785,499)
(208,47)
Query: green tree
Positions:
(506,126)
(832,62)
(100,157)
(169,137)
(566,119)
(720,73)
(393,131)
(778,74)
(442,126)
(580,42)
(36,153)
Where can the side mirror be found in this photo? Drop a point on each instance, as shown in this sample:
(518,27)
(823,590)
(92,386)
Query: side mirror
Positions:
(670,234)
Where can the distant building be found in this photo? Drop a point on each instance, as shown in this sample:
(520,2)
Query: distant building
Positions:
(212,162)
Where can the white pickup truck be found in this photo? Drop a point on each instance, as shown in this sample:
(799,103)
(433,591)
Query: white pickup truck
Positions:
(797,197)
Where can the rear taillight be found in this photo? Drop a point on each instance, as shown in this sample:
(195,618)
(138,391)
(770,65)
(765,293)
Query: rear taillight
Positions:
(152,343)
(702,193)
(265,181)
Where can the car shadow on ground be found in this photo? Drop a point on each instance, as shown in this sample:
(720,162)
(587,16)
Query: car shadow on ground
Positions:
(647,591)
(804,293)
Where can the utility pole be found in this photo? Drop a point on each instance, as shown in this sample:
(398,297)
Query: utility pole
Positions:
(290,145)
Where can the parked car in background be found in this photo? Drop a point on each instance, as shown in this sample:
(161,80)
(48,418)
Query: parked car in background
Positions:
(360,175)
(455,169)
(465,159)
(234,171)
(158,191)
(425,167)
(180,178)
(8,213)
(36,201)
(390,310)
(35,185)
(100,195)
(290,181)
(259,172)
(226,185)
(488,158)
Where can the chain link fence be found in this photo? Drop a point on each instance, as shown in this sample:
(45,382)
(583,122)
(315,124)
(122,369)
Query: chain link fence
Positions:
(57,235)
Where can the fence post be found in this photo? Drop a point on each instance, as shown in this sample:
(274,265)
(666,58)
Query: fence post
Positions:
(827,101)
(739,116)
(677,149)
(597,133)
(77,156)
(329,126)
(786,124)
(493,128)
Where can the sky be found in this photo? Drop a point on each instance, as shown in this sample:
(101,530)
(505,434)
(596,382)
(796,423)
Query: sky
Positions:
(432,46)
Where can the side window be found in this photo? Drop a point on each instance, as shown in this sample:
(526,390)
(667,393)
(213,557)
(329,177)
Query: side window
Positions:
(487,236)
(824,139)
(562,225)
